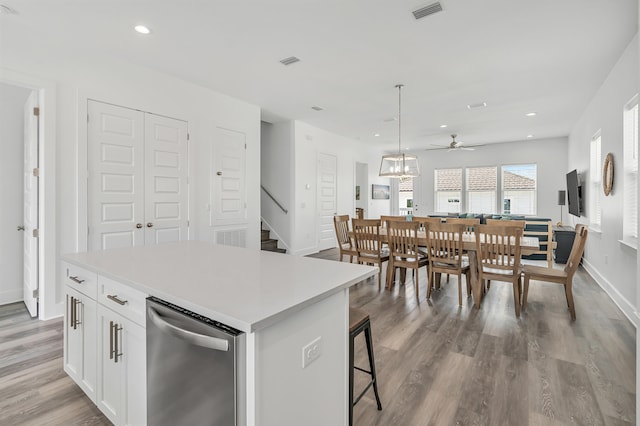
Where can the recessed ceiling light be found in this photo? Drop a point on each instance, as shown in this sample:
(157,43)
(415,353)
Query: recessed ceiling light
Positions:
(442,126)
(376,134)
(531,114)
(142,29)
(407,148)
(529,136)
(478,105)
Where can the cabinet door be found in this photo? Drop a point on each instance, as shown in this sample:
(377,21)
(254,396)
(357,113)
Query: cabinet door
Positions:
(80,341)
(122,368)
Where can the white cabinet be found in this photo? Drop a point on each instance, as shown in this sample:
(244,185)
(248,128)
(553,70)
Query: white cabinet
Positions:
(105,344)
(122,368)
(80,340)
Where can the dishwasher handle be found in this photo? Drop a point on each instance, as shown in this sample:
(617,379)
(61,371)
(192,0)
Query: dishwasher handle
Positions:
(189,336)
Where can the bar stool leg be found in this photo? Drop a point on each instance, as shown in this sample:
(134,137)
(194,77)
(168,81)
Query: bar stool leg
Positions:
(372,364)
(351,356)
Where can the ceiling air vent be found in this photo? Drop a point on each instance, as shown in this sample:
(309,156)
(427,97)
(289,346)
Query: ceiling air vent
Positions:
(290,60)
(317,108)
(427,10)
(6,10)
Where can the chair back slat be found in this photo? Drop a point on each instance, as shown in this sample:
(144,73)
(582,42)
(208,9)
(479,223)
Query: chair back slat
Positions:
(341,225)
(445,243)
(498,247)
(577,249)
(367,236)
(402,238)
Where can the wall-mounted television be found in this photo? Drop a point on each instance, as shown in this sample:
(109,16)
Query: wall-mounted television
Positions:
(574,193)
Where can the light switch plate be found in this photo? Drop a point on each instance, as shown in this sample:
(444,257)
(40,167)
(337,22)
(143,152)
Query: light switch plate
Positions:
(311,352)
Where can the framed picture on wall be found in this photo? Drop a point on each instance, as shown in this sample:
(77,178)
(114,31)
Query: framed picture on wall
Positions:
(380,192)
(357,192)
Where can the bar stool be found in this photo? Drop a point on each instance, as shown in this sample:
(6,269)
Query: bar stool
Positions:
(359,322)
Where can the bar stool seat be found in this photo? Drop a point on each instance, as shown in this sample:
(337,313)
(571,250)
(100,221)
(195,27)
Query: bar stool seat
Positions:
(359,322)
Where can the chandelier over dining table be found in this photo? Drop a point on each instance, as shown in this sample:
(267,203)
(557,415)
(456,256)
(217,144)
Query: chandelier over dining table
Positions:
(399,165)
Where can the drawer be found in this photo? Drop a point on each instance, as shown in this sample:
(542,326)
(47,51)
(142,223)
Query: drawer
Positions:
(82,280)
(122,299)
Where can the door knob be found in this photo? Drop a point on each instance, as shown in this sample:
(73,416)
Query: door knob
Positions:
(138,225)
(20,228)
(149,225)
(219,173)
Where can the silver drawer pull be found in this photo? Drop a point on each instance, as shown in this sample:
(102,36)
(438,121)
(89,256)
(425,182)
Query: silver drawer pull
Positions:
(76,279)
(115,299)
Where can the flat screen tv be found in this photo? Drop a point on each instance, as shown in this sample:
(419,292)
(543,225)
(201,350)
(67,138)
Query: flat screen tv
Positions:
(574,193)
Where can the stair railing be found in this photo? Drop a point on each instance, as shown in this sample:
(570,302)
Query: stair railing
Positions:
(274,200)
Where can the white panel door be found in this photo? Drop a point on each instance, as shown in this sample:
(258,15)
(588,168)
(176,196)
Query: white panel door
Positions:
(166,193)
(30,219)
(116,177)
(327,200)
(228,200)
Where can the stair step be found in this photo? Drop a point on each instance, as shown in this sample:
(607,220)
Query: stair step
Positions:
(269,244)
(264,235)
(275,250)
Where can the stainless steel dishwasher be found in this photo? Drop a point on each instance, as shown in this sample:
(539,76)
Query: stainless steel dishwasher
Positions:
(195,371)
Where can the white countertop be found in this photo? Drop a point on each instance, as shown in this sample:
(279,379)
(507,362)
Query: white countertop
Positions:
(243,288)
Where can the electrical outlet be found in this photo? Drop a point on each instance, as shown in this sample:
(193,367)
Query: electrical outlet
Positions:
(311,352)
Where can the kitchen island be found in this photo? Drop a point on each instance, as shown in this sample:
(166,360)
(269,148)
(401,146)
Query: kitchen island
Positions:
(282,304)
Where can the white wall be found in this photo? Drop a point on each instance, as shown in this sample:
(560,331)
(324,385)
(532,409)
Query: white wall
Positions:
(611,263)
(550,155)
(141,88)
(12,100)
(276,175)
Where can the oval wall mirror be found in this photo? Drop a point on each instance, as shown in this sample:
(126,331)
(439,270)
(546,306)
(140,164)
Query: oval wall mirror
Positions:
(607,174)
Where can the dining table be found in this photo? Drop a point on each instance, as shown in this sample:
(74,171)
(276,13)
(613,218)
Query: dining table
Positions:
(528,245)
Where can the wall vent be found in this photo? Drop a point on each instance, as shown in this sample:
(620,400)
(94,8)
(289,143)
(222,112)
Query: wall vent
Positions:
(232,237)
(317,108)
(478,105)
(427,10)
(290,60)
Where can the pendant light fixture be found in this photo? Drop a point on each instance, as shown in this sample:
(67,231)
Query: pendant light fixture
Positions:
(399,165)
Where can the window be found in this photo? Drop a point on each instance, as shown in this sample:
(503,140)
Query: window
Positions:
(519,189)
(595,174)
(630,183)
(482,185)
(448,190)
(405,196)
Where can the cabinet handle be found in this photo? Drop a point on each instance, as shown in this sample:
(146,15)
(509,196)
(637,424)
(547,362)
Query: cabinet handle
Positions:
(114,350)
(149,225)
(76,321)
(138,225)
(115,298)
(76,279)
(72,319)
(111,339)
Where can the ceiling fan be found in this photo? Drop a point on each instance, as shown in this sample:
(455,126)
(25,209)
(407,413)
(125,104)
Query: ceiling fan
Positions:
(454,145)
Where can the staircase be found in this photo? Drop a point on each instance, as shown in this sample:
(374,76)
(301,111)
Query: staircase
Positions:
(268,243)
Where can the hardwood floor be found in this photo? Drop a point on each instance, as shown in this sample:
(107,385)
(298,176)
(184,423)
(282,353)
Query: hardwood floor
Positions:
(442,364)
(34,389)
(437,363)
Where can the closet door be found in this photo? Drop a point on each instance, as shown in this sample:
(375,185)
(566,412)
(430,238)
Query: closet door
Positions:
(116,177)
(166,194)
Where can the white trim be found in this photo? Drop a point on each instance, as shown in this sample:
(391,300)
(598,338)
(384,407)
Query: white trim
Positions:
(627,308)
(50,305)
(306,251)
(11,296)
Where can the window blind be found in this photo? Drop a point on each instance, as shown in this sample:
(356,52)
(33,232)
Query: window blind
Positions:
(630,183)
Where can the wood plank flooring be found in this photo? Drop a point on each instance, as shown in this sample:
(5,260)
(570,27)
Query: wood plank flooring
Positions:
(443,364)
(34,389)
(437,363)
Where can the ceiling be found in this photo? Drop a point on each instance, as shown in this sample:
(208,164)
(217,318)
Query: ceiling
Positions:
(544,56)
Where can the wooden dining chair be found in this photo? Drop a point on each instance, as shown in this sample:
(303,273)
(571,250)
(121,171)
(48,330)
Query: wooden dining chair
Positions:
(426,220)
(345,243)
(444,248)
(559,276)
(469,224)
(404,252)
(498,254)
(368,245)
(504,222)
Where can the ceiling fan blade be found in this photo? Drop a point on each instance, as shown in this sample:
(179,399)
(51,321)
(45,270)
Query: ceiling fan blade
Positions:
(466,148)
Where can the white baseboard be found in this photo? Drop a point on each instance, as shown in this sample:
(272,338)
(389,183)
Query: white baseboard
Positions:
(306,251)
(11,296)
(625,306)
